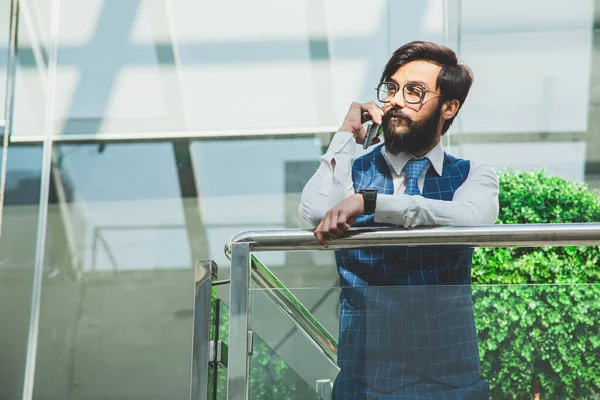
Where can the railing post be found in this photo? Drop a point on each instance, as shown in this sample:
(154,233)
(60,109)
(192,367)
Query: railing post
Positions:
(324,387)
(239,303)
(205,272)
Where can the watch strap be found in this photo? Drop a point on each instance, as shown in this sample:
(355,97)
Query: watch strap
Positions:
(370,200)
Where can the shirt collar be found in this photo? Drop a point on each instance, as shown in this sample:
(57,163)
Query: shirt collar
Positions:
(398,161)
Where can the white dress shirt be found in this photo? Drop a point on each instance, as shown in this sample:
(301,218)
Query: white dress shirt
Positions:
(475,202)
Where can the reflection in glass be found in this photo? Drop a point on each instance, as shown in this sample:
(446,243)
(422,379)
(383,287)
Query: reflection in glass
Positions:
(271,378)
(287,341)
(17,258)
(118,289)
(254,184)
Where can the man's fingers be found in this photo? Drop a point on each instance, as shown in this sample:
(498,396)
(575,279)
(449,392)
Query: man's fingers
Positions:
(322,230)
(343,227)
(375,112)
(342,223)
(338,224)
(320,236)
(333,225)
(366,116)
(361,135)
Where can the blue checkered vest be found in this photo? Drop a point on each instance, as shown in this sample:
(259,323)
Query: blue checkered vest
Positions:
(406,312)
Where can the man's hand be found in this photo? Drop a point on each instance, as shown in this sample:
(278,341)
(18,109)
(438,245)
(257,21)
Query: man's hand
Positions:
(357,115)
(339,219)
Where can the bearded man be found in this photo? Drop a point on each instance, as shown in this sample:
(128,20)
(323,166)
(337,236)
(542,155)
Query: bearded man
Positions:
(407,329)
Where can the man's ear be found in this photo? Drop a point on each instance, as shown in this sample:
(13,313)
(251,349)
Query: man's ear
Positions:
(449,109)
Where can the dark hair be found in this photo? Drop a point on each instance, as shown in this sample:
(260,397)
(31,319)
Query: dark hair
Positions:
(453,81)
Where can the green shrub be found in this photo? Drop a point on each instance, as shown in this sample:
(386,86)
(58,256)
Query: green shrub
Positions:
(537,309)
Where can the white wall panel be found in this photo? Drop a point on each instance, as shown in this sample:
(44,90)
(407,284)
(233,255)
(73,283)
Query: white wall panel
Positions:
(566,159)
(531,62)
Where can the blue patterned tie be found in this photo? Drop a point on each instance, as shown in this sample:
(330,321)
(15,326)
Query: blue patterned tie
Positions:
(413,170)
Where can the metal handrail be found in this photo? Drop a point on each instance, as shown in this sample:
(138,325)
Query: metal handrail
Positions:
(518,235)
(171,135)
(527,235)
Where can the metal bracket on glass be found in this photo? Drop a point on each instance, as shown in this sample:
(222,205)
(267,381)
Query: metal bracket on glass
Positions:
(324,388)
(218,354)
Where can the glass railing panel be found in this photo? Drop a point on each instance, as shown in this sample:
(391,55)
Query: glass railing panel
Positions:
(507,341)
(270,376)
(286,340)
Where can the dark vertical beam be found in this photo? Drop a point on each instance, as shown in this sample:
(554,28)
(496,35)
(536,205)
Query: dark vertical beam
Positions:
(190,200)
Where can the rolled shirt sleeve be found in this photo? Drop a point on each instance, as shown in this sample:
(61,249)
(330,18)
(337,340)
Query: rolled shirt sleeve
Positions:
(329,185)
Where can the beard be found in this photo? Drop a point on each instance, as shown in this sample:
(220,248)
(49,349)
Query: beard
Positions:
(403,135)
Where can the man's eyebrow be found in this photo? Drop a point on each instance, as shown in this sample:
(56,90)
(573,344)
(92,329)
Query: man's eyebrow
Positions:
(420,82)
(411,81)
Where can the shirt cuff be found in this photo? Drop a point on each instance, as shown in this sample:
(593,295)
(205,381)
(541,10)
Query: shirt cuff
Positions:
(389,209)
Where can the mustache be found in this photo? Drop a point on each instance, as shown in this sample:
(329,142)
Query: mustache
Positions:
(397,113)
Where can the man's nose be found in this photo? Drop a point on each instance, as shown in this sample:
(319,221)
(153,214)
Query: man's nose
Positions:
(398,100)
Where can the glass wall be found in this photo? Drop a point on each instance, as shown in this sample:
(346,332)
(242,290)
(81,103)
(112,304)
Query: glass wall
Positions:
(175,125)
(17,255)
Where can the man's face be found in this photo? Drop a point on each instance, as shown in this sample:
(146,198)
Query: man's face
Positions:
(413,128)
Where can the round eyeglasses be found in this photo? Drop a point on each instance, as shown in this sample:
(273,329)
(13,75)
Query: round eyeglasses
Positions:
(414,93)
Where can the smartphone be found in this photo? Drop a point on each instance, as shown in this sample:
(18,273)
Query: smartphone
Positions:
(372,133)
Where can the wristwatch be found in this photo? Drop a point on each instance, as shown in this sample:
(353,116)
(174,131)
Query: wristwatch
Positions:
(370,199)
